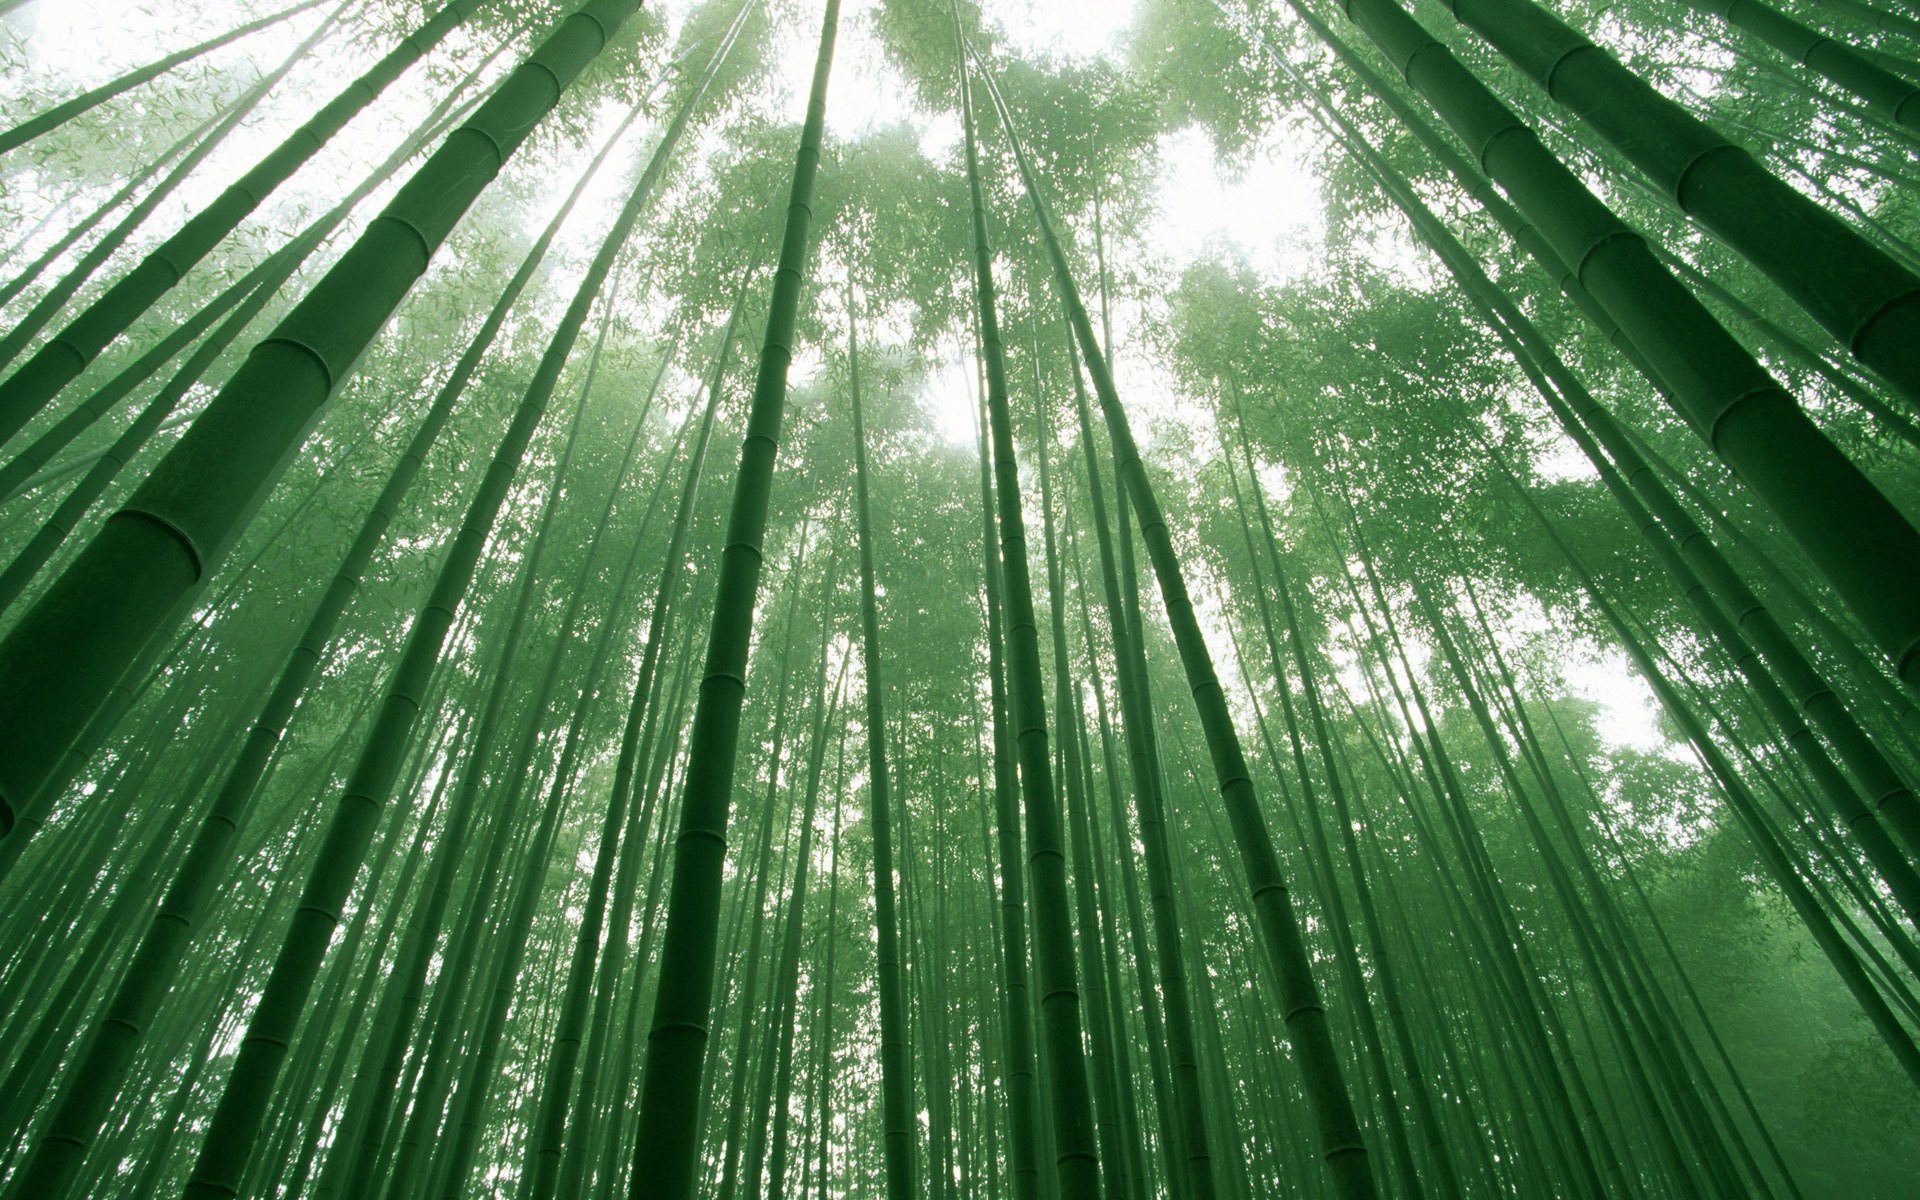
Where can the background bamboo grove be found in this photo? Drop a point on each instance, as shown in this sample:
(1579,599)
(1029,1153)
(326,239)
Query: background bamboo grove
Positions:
(753,600)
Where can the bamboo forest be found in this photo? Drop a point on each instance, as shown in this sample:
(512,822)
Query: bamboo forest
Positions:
(960,599)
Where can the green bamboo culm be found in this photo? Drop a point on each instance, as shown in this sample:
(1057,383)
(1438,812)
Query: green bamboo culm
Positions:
(1864,546)
(1023,1100)
(61,661)
(1889,96)
(76,420)
(266,281)
(48,1170)
(34,464)
(59,114)
(553,1150)
(34,385)
(253,296)
(1735,616)
(1182,1108)
(192,151)
(1898,1041)
(460,1137)
(787,979)
(643,721)
(1445,1181)
(666,1145)
(1857,292)
(1880,21)
(773,1004)
(465,974)
(270,1032)
(1349,1168)
(364,1115)
(1101,1056)
(896,1097)
(1460,958)
(552,1118)
(1784,679)
(1068,1092)
(750,904)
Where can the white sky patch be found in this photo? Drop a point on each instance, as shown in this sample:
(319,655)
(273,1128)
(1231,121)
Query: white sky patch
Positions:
(608,189)
(808,362)
(1079,28)
(940,135)
(1275,483)
(92,46)
(863,91)
(1270,212)
(948,398)
(1560,460)
(1629,715)
(84,45)
(1629,712)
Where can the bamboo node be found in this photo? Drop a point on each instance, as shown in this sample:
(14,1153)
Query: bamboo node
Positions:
(194,554)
